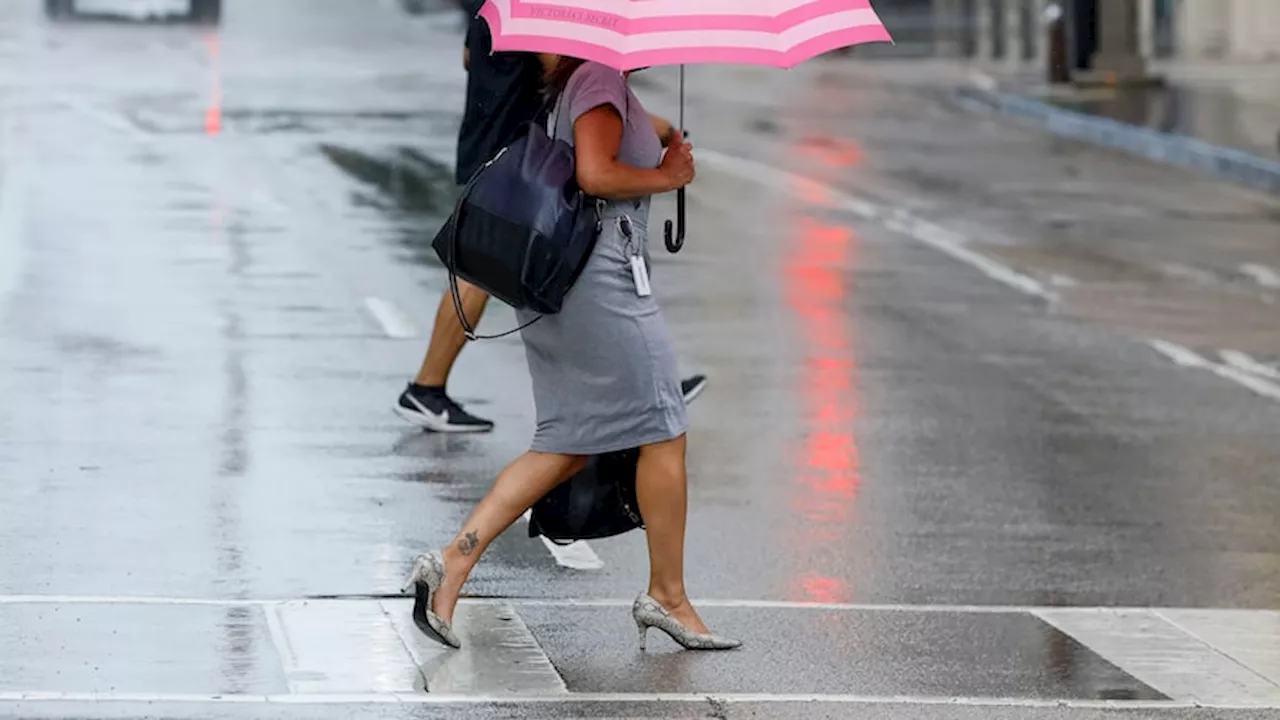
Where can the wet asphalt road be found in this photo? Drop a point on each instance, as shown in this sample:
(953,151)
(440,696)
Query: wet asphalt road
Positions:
(954,363)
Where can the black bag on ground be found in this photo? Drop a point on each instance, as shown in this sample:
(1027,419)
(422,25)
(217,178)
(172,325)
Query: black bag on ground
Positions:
(522,229)
(598,502)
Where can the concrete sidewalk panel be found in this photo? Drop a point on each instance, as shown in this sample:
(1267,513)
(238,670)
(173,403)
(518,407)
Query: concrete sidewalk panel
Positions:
(1185,152)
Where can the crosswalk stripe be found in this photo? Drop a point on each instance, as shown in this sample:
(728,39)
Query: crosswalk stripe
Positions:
(499,655)
(354,647)
(1250,637)
(1162,655)
(395,323)
(338,646)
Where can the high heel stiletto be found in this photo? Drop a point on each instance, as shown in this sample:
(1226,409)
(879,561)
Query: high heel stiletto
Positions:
(425,579)
(649,613)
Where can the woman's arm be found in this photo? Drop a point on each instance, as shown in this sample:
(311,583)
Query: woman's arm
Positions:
(597,136)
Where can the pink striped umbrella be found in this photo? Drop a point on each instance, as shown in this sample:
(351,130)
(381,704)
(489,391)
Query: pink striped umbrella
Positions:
(630,34)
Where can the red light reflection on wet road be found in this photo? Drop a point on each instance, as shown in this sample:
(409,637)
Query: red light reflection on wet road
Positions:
(833,151)
(213,113)
(827,474)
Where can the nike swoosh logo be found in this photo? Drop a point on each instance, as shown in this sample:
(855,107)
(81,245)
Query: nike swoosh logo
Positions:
(441,417)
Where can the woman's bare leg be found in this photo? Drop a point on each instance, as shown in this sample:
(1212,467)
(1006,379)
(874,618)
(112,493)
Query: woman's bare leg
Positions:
(518,487)
(662,490)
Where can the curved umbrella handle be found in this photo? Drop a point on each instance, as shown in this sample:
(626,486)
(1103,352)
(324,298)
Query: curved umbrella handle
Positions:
(675,240)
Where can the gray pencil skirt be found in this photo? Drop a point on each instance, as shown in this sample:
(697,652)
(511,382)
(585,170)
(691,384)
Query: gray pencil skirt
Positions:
(603,368)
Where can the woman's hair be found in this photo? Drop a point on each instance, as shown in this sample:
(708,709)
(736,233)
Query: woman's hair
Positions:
(558,78)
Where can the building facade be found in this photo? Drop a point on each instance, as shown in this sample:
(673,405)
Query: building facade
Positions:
(1236,30)
(1016,31)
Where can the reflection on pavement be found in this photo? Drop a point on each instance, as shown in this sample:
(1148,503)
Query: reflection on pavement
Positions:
(827,473)
(213,114)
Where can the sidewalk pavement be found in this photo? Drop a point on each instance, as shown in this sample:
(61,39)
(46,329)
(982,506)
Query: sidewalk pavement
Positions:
(1218,119)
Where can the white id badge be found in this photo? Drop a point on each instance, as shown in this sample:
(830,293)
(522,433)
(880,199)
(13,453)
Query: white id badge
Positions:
(640,274)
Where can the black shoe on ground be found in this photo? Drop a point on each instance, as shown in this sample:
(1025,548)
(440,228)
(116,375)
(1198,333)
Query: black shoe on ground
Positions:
(692,387)
(432,409)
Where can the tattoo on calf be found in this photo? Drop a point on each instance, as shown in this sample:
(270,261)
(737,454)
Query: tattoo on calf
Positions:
(468,542)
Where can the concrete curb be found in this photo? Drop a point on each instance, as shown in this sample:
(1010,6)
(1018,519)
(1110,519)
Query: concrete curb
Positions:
(1226,163)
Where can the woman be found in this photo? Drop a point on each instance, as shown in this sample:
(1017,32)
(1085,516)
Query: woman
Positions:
(603,370)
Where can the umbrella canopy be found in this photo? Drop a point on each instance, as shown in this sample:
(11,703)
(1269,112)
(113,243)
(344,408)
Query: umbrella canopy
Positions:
(630,34)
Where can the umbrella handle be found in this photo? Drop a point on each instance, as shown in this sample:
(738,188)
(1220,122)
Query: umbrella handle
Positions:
(675,240)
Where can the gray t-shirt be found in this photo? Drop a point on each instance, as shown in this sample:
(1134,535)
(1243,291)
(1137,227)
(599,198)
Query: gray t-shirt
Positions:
(593,85)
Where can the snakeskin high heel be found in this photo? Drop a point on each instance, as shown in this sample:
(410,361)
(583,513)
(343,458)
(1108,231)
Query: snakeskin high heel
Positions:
(425,579)
(649,613)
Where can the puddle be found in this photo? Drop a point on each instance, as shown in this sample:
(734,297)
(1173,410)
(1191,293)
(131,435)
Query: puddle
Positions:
(764,126)
(415,190)
(405,178)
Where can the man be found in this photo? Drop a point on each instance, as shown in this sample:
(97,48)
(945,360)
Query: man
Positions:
(503,94)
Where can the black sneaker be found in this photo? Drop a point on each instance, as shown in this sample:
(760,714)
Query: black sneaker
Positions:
(432,409)
(692,387)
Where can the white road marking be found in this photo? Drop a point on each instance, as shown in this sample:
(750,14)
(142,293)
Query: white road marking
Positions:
(725,603)
(1263,275)
(115,121)
(499,654)
(1244,362)
(1250,638)
(901,220)
(617,698)
(1189,358)
(395,322)
(953,244)
(1164,656)
(1180,355)
(790,183)
(127,600)
(337,646)
(577,555)
(1176,270)
(747,604)
(744,603)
